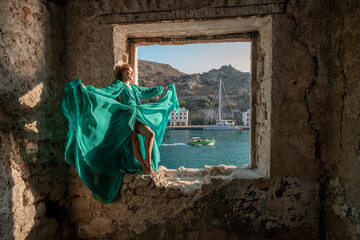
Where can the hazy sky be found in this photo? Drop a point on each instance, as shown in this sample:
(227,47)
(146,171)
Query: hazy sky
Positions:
(198,58)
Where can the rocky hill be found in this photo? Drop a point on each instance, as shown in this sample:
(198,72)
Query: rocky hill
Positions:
(196,91)
(154,74)
(204,84)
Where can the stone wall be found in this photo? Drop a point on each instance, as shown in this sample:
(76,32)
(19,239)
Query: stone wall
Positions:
(300,90)
(307,96)
(89,44)
(342,209)
(292,95)
(217,202)
(32,71)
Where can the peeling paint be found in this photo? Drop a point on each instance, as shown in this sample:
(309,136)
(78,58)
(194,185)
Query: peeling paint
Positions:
(340,207)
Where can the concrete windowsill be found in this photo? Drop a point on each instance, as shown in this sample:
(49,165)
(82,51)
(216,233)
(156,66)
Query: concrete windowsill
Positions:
(193,182)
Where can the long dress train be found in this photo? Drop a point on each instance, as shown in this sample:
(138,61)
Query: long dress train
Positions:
(100,129)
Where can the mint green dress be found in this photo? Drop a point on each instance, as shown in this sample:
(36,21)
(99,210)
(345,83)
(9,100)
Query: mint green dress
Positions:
(100,129)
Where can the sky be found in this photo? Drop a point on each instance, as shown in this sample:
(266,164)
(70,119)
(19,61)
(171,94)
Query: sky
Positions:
(199,58)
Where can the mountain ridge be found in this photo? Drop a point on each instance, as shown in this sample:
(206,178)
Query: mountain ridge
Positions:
(203,84)
(196,91)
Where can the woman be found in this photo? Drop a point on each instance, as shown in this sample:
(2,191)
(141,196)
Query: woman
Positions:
(108,138)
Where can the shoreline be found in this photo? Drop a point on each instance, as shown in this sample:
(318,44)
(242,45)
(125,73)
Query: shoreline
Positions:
(198,127)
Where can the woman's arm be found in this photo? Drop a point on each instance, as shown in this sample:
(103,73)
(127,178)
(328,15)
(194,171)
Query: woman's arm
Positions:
(149,92)
(112,91)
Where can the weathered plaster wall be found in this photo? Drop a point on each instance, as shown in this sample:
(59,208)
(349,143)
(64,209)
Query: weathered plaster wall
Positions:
(32,73)
(308,100)
(300,90)
(89,44)
(92,48)
(217,203)
(293,91)
(342,215)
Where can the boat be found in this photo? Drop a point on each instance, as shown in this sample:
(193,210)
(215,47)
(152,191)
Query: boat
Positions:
(221,124)
(196,141)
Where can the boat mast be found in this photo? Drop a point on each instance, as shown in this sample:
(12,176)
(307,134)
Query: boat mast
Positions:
(220,101)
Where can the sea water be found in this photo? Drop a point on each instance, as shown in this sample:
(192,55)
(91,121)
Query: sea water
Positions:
(231,148)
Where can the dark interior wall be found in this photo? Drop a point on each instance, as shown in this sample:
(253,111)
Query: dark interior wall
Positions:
(342,218)
(300,90)
(32,72)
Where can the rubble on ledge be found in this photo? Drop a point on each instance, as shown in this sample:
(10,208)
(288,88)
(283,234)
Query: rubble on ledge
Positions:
(190,182)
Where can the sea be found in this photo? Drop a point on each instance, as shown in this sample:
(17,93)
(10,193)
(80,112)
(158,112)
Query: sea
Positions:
(231,148)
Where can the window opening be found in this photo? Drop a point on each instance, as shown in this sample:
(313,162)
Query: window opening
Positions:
(196,70)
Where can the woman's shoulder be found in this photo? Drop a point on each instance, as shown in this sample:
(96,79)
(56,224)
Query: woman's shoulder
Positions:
(134,86)
(118,83)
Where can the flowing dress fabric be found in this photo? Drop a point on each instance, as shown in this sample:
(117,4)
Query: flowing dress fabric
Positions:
(100,130)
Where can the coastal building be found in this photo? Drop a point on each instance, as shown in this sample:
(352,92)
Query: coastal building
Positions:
(246,118)
(181,118)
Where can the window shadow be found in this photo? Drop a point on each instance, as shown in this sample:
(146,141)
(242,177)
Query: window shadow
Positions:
(33,173)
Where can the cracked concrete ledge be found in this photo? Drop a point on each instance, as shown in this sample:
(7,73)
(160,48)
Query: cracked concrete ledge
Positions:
(191,181)
(159,196)
(175,195)
(183,181)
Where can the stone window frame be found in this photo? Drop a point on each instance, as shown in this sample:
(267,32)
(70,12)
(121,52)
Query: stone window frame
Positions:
(257,30)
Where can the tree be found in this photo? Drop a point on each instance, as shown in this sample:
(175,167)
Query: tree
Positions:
(197,121)
(182,103)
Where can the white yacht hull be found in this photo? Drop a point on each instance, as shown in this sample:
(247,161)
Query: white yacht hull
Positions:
(221,128)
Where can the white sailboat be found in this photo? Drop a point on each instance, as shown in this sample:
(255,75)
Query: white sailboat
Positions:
(221,124)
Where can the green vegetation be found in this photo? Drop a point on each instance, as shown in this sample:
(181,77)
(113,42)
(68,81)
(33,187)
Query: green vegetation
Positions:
(183,104)
(201,121)
(243,102)
(195,104)
(197,121)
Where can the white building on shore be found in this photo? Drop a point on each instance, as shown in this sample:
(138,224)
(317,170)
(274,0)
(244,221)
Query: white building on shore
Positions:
(246,118)
(179,119)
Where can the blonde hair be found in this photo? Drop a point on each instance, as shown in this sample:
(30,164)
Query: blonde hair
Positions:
(119,69)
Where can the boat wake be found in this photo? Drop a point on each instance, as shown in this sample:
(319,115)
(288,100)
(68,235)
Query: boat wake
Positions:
(172,144)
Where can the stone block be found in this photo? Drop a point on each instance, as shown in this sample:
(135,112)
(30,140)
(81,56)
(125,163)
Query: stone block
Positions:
(141,191)
(97,228)
(137,198)
(57,192)
(153,192)
(173,193)
(40,210)
(142,181)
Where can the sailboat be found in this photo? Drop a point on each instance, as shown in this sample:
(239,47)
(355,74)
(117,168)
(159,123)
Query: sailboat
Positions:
(221,124)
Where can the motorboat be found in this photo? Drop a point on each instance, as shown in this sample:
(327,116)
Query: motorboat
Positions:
(196,141)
